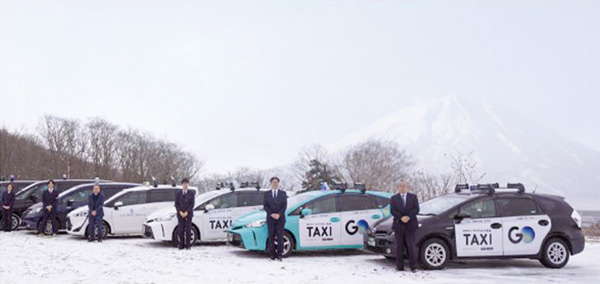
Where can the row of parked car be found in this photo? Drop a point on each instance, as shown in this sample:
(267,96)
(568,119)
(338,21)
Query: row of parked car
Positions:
(481,221)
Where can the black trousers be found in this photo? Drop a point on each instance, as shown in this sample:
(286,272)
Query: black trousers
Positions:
(7,220)
(184,231)
(406,238)
(48,215)
(275,234)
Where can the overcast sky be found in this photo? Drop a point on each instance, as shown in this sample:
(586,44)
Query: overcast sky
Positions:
(250,83)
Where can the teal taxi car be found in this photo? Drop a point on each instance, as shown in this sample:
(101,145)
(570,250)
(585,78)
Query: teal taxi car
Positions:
(328,219)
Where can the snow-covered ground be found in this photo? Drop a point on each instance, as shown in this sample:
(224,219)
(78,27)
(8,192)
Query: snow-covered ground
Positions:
(26,258)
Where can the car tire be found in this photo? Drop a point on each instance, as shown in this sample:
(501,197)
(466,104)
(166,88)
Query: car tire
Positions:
(48,228)
(193,240)
(434,254)
(289,244)
(555,253)
(16,221)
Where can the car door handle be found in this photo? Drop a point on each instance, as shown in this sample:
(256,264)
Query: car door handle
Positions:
(496,226)
(543,222)
(334,219)
(376,216)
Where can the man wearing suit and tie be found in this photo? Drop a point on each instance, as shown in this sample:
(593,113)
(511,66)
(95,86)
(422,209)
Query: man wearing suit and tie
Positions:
(95,213)
(184,203)
(49,201)
(275,204)
(404,208)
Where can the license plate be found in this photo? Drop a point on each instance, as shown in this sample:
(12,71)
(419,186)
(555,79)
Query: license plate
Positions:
(371,242)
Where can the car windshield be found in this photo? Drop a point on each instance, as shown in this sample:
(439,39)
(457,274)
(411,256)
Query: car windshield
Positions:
(440,204)
(33,191)
(300,199)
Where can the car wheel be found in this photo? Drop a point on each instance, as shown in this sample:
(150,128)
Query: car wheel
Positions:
(16,221)
(288,244)
(555,253)
(193,236)
(105,230)
(48,228)
(434,254)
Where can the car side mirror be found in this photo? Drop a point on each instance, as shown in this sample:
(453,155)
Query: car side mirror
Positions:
(305,212)
(33,198)
(118,204)
(70,202)
(459,217)
(209,207)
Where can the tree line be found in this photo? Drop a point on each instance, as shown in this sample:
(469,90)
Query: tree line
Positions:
(93,148)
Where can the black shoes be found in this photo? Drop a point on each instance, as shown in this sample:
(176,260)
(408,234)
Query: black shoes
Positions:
(90,240)
(413,270)
(279,259)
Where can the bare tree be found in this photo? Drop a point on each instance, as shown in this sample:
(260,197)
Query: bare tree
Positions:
(465,169)
(379,164)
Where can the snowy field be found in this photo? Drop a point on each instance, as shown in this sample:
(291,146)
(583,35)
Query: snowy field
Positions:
(26,258)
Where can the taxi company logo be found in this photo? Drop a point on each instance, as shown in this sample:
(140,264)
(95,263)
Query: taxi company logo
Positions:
(352,227)
(526,235)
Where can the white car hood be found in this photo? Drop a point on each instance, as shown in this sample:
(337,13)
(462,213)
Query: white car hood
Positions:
(161,212)
(78,210)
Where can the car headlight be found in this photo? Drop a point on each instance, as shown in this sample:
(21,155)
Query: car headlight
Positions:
(256,224)
(37,210)
(164,218)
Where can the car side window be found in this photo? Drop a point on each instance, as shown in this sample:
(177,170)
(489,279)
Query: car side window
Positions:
(162,195)
(354,202)
(228,200)
(251,198)
(322,205)
(80,195)
(518,207)
(380,202)
(481,208)
(134,198)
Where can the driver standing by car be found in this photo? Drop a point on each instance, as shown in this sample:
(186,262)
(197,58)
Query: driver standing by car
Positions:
(275,204)
(404,208)
(184,203)
(96,213)
(49,201)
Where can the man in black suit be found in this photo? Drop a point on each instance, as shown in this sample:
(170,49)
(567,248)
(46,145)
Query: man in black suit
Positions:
(184,203)
(95,213)
(8,200)
(275,204)
(405,207)
(49,201)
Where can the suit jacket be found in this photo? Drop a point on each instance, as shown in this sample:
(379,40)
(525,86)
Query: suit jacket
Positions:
(50,199)
(99,204)
(185,202)
(8,199)
(275,205)
(411,209)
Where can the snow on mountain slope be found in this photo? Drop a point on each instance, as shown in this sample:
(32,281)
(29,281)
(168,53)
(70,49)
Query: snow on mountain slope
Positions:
(506,146)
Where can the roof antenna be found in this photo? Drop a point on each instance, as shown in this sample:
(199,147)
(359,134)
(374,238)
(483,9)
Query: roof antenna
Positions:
(535,188)
(154,182)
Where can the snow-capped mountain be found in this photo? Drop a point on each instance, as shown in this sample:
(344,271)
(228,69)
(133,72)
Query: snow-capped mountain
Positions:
(506,146)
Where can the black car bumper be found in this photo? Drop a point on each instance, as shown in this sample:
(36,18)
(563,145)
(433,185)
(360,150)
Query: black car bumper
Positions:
(235,240)
(380,244)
